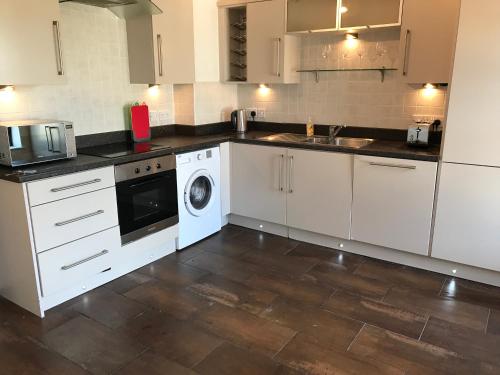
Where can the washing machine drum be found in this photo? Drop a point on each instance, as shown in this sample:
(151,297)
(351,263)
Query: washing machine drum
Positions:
(199,193)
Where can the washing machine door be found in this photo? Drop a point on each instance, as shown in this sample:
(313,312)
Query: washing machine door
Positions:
(199,193)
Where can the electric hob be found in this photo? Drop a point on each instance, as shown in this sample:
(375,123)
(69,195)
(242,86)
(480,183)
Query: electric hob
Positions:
(115,150)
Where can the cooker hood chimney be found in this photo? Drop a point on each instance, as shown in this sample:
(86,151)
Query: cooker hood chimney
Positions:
(125,9)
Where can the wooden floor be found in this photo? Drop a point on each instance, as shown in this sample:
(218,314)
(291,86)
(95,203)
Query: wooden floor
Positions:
(242,302)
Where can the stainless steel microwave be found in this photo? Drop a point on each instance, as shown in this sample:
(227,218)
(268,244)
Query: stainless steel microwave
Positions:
(36,141)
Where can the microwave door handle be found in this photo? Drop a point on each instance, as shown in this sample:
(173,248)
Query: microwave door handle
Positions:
(50,142)
(52,139)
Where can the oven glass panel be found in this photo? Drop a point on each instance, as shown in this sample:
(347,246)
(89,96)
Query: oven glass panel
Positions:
(146,200)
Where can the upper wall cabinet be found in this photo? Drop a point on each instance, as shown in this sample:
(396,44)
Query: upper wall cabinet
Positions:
(30,42)
(178,46)
(254,47)
(355,14)
(428,38)
(309,15)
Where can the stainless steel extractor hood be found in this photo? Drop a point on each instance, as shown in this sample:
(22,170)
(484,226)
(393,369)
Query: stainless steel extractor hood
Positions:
(125,9)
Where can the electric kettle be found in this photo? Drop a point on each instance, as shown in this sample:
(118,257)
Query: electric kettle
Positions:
(239,120)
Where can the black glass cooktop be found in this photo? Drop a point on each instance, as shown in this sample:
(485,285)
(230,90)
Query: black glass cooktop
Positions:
(116,150)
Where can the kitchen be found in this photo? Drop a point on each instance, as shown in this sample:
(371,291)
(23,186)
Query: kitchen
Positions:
(202,186)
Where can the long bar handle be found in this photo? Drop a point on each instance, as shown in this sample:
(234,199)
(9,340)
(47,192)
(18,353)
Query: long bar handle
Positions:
(57,39)
(407,45)
(278,57)
(400,166)
(80,218)
(74,186)
(290,176)
(80,262)
(282,159)
(159,43)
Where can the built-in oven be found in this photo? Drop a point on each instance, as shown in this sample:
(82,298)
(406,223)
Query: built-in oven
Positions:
(147,197)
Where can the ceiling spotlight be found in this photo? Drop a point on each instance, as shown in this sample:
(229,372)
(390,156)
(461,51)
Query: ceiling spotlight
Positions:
(351,36)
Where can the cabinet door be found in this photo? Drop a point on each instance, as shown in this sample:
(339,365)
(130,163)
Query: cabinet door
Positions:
(392,203)
(467,216)
(362,13)
(30,42)
(311,15)
(225,178)
(428,37)
(258,182)
(320,192)
(173,39)
(472,130)
(265,41)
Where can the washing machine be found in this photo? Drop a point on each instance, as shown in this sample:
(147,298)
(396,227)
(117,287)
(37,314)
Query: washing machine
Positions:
(198,194)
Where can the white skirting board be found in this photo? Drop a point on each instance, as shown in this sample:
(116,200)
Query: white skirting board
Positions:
(390,255)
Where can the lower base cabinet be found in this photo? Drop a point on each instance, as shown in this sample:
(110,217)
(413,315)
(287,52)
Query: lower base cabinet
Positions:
(467,226)
(393,203)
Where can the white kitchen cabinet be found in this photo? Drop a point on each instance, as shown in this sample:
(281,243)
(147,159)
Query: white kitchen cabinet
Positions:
(467,216)
(311,15)
(225,178)
(30,42)
(428,37)
(355,14)
(320,192)
(472,130)
(258,182)
(179,46)
(253,45)
(393,201)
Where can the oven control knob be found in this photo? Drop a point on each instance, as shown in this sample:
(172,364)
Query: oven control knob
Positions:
(137,170)
(158,166)
(148,168)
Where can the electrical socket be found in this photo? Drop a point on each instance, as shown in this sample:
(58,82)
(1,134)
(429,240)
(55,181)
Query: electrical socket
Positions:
(249,113)
(154,119)
(260,113)
(163,118)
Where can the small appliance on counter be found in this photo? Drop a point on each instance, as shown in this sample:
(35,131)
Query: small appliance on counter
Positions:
(36,141)
(239,120)
(139,118)
(418,134)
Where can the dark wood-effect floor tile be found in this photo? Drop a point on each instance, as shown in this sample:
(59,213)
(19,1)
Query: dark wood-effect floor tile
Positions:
(228,359)
(302,290)
(221,245)
(152,363)
(108,308)
(127,282)
(475,293)
(173,273)
(290,266)
(398,275)
(384,315)
(494,322)
(178,302)
(232,294)
(323,328)
(245,329)
(469,343)
(269,243)
(413,356)
(463,313)
(92,345)
(312,359)
(338,277)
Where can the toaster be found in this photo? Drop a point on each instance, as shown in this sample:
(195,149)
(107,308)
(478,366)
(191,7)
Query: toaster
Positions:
(418,134)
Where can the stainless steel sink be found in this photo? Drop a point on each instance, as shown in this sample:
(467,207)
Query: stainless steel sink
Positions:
(320,140)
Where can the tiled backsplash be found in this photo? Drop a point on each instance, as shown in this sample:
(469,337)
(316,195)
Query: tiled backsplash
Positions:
(352,98)
(96,67)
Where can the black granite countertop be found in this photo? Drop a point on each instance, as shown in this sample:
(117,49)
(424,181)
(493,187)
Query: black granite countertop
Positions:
(179,144)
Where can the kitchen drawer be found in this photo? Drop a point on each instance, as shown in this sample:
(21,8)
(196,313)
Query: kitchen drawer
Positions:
(65,266)
(60,222)
(53,189)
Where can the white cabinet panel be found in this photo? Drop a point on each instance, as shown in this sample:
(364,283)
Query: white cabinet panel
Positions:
(65,266)
(320,195)
(258,182)
(363,13)
(467,228)
(69,219)
(62,187)
(472,129)
(393,201)
(225,178)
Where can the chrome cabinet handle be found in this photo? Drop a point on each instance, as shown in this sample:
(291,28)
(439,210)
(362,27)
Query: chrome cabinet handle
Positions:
(69,187)
(71,221)
(401,166)
(57,40)
(290,176)
(282,158)
(278,57)
(159,44)
(407,45)
(80,262)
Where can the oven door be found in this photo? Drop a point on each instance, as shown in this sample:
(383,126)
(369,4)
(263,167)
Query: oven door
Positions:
(147,205)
